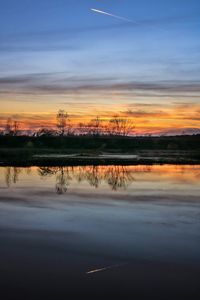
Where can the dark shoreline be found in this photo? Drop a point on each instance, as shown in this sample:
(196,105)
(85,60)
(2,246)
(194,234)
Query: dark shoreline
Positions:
(83,161)
(98,150)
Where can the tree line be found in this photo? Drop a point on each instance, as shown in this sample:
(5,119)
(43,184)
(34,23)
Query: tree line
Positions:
(116,125)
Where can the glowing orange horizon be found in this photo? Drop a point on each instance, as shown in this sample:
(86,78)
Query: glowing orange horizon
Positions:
(147,119)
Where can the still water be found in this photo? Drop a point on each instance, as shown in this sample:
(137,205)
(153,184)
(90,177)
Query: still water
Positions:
(105,218)
(126,180)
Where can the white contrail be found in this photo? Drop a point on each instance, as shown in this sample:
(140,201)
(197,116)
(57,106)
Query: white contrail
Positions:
(111,15)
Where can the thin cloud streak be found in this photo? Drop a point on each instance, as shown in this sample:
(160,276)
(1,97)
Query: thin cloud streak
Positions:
(62,83)
(111,15)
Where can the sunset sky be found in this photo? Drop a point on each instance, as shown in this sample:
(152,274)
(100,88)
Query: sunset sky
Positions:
(144,63)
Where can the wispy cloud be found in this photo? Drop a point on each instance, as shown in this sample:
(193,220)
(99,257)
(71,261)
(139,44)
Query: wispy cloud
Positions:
(62,83)
(145,114)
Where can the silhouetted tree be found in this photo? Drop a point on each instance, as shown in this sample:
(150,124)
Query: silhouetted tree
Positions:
(16,128)
(8,127)
(95,127)
(62,118)
(81,128)
(11,127)
(120,126)
(70,130)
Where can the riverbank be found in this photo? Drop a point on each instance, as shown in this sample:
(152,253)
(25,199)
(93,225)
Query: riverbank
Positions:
(20,157)
(98,150)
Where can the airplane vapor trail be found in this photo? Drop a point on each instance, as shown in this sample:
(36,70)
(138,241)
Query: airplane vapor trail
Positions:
(111,15)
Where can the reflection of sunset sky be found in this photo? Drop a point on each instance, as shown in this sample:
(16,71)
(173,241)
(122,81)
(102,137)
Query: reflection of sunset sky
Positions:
(108,179)
(57,54)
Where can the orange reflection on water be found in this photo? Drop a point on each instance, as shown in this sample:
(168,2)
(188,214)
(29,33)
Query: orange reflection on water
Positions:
(114,177)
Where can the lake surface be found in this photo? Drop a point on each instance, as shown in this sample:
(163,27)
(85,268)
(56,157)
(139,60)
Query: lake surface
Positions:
(100,229)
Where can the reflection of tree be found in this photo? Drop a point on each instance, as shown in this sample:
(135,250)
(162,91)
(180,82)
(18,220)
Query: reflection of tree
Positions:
(11,175)
(117,177)
(63,177)
(28,171)
(91,174)
(46,171)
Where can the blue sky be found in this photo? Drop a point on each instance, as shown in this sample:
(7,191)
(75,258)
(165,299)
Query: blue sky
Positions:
(70,36)
(61,49)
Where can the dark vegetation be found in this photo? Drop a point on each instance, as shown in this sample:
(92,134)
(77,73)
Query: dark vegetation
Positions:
(101,143)
(89,148)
